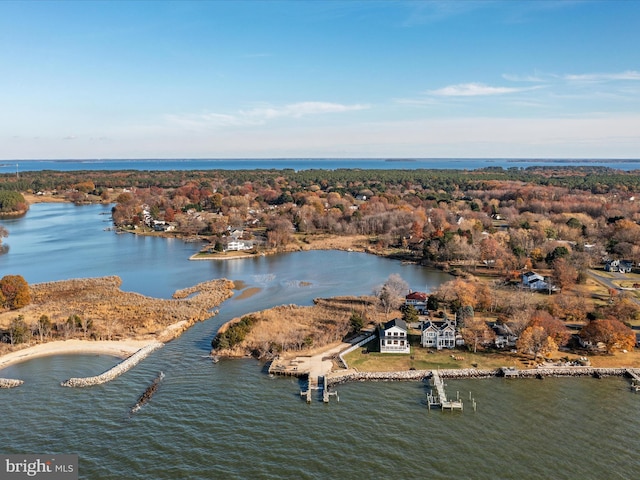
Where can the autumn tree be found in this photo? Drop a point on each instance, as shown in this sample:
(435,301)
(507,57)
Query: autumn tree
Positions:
(518,318)
(614,334)
(486,300)
(622,307)
(490,250)
(279,232)
(571,308)
(392,293)
(535,340)
(457,293)
(85,187)
(476,333)
(15,291)
(553,327)
(564,275)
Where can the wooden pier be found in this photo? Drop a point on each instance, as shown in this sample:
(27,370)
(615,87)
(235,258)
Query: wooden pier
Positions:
(314,384)
(439,397)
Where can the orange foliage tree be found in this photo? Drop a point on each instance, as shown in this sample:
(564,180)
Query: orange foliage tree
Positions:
(553,327)
(15,292)
(535,340)
(614,334)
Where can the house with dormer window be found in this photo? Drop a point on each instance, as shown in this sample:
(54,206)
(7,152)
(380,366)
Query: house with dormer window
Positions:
(438,334)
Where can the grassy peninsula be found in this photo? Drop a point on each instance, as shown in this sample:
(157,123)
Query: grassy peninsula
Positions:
(97,309)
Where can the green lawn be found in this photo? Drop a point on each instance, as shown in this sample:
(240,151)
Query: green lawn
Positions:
(428,359)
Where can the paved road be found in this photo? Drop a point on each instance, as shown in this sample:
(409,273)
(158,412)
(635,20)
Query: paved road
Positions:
(608,282)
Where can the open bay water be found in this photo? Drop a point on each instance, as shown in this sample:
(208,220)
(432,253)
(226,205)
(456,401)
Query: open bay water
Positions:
(13,166)
(231,420)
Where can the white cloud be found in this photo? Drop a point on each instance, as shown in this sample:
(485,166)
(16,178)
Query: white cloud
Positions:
(474,90)
(197,121)
(258,116)
(535,78)
(604,77)
(301,109)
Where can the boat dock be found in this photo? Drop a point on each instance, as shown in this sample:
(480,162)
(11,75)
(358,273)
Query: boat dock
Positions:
(438,398)
(314,384)
(313,367)
(509,372)
(634,373)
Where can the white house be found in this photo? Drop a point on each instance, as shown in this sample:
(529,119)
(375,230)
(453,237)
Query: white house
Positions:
(393,337)
(438,335)
(535,281)
(235,245)
(418,300)
(622,266)
(162,226)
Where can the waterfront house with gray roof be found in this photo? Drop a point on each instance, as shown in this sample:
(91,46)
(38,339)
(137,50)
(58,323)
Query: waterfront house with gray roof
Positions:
(393,337)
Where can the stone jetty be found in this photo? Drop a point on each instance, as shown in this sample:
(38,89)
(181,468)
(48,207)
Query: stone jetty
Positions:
(10,382)
(148,393)
(116,371)
(338,377)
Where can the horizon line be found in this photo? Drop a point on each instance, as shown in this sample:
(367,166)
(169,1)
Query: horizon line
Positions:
(385,158)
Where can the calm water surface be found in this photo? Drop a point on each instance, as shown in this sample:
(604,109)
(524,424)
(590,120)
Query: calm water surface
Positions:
(231,420)
(10,167)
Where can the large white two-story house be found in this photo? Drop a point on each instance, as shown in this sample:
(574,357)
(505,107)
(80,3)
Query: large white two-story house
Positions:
(438,334)
(393,337)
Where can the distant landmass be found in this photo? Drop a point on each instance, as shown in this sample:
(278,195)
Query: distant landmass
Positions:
(573,160)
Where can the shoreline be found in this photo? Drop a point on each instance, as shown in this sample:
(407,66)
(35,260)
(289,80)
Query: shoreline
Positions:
(347,376)
(115,348)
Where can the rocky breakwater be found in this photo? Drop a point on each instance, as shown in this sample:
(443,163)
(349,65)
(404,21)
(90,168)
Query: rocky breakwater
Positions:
(10,382)
(116,371)
(570,372)
(345,376)
(338,377)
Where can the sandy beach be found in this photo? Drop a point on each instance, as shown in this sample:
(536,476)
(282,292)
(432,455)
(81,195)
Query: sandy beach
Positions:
(116,348)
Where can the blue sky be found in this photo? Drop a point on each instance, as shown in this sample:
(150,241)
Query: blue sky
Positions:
(145,79)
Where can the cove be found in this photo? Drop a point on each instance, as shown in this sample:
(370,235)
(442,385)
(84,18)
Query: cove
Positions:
(230,420)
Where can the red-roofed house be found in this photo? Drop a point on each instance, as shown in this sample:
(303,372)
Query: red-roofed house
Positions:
(418,300)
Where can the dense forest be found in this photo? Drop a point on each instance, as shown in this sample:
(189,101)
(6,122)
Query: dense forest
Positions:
(507,218)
